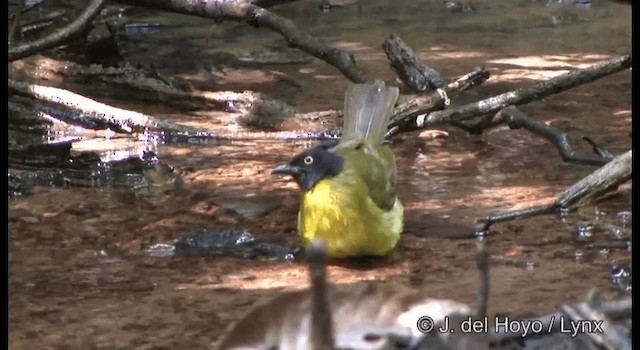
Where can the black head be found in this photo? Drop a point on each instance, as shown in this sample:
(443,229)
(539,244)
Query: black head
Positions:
(312,166)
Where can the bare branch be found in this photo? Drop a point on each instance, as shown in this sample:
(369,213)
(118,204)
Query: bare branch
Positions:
(404,115)
(245,10)
(525,95)
(516,119)
(599,182)
(75,29)
(412,71)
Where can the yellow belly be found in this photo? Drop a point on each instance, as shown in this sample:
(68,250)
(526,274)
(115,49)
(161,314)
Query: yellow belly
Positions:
(339,211)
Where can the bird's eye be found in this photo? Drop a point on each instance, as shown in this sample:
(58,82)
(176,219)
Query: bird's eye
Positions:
(308,160)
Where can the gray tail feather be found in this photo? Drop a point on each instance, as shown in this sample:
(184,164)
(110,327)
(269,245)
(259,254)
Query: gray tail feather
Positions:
(367,110)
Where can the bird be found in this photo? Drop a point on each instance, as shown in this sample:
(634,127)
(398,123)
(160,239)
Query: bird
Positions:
(348,188)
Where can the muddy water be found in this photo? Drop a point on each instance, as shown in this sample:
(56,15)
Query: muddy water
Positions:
(79,277)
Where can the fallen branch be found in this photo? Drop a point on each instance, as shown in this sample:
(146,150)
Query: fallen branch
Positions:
(515,119)
(245,10)
(412,71)
(36,114)
(599,182)
(404,115)
(75,29)
(118,119)
(523,95)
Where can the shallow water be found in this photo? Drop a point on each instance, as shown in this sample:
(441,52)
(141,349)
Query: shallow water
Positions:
(79,274)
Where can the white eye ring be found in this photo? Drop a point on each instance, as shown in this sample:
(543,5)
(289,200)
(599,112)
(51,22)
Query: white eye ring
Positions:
(308,160)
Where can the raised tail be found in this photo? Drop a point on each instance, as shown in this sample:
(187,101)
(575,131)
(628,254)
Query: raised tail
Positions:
(367,110)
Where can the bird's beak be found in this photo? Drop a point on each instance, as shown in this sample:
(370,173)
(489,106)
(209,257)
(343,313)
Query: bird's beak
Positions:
(286,169)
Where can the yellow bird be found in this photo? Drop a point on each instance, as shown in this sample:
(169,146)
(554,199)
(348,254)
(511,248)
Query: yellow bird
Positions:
(349,188)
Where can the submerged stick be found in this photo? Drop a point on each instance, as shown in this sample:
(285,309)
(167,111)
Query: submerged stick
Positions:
(599,182)
(76,28)
(245,10)
(321,322)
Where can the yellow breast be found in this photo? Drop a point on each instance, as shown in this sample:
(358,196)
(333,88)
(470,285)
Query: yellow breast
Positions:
(339,211)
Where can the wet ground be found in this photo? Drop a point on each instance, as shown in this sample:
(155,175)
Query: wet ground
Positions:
(80,276)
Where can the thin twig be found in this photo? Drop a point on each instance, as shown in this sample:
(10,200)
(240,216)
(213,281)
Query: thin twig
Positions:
(489,220)
(75,29)
(245,10)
